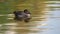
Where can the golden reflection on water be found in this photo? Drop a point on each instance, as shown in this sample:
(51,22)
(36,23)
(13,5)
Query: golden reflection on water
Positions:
(27,28)
(31,27)
(39,17)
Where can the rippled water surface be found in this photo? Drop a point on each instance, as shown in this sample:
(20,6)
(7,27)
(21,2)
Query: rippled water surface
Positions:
(45,24)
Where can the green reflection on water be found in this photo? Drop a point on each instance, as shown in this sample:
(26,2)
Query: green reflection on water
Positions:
(32,7)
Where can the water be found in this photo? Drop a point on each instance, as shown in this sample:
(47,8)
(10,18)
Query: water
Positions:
(46,24)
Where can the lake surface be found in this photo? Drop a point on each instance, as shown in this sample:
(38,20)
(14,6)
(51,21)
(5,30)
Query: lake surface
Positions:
(45,24)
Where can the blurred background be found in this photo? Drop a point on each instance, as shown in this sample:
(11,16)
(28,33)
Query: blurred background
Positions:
(45,17)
